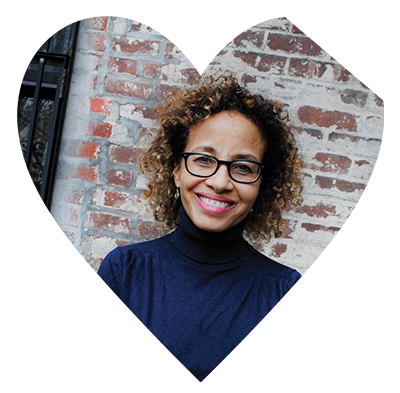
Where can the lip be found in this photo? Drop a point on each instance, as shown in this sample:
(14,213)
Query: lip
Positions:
(215,197)
(212,209)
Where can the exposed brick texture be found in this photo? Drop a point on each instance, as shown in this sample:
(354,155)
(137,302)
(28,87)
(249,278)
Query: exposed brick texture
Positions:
(100,130)
(135,45)
(99,105)
(124,69)
(123,66)
(293,44)
(107,222)
(264,63)
(306,69)
(85,149)
(331,163)
(126,155)
(323,118)
(117,177)
(128,88)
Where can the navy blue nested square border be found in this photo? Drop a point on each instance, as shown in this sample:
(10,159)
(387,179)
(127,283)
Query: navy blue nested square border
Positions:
(91,336)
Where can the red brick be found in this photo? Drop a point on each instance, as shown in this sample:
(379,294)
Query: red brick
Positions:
(171,50)
(151,230)
(306,68)
(331,163)
(288,231)
(340,74)
(136,26)
(145,47)
(96,41)
(341,185)
(309,131)
(362,162)
(293,44)
(152,70)
(100,130)
(123,66)
(316,227)
(353,97)
(318,210)
(118,177)
(334,136)
(108,222)
(75,196)
(148,112)
(341,120)
(122,242)
(324,182)
(163,91)
(128,88)
(348,186)
(97,23)
(190,74)
(109,199)
(84,172)
(86,149)
(254,37)
(262,62)
(122,154)
(115,199)
(248,79)
(278,249)
(100,105)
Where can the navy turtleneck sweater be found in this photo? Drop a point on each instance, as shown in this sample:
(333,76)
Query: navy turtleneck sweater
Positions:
(199,293)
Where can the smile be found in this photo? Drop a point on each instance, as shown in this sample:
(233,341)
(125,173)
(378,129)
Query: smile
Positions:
(213,203)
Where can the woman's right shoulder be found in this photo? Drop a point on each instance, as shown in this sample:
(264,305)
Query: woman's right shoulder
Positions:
(120,262)
(131,251)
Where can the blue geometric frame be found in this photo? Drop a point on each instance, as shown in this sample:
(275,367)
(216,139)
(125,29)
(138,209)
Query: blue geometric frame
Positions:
(91,336)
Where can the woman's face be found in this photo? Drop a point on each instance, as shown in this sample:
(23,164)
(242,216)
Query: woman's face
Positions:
(226,136)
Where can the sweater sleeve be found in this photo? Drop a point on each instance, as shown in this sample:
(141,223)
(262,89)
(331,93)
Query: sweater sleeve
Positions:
(110,271)
(277,287)
(293,277)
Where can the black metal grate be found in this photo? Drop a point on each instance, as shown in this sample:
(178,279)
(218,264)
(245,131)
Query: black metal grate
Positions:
(42,84)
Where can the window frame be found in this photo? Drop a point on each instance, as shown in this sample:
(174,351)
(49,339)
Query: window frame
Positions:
(40,82)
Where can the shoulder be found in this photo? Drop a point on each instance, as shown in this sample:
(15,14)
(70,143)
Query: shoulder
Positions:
(120,262)
(130,251)
(267,265)
(271,269)
(277,279)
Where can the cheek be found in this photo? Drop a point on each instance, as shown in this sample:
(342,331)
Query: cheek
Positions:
(249,196)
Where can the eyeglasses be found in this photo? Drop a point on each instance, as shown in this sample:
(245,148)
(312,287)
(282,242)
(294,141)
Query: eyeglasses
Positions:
(204,165)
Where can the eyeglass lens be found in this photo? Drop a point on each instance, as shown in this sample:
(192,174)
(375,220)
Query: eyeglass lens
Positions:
(241,171)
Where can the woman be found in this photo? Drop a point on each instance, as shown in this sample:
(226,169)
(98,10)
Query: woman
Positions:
(223,164)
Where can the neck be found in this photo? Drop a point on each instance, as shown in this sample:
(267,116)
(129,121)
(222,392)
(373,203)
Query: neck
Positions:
(208,247)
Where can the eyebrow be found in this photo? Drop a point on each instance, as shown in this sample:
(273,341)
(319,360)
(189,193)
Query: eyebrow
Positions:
(211,150)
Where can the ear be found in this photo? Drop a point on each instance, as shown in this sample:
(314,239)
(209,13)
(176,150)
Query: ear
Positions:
(177,175)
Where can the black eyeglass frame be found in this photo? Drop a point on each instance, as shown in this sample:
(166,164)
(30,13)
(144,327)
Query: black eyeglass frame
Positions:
(186,155)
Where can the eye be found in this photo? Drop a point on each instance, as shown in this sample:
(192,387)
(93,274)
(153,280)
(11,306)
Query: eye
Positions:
(203,160)
(244,168)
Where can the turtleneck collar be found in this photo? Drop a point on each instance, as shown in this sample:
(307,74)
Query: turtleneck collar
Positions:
(213,248)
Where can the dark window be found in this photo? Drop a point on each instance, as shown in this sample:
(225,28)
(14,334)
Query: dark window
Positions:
(41,107)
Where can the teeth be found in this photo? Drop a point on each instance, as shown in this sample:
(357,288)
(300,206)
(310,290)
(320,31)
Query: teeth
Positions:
(212,203)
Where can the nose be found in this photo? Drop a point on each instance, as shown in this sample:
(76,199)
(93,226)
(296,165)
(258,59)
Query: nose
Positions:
(221,180)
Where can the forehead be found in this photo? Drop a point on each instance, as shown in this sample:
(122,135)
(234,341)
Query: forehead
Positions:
(227,135)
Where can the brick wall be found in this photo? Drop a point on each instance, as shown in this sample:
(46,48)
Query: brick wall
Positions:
(123,69)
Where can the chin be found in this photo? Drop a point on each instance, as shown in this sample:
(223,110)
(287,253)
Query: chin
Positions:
(212,224)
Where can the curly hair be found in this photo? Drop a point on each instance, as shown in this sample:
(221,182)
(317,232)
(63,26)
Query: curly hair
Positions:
(280,183)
